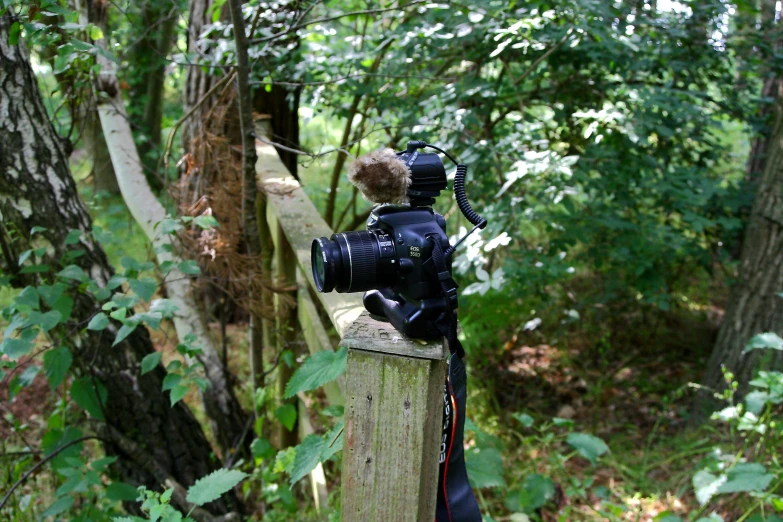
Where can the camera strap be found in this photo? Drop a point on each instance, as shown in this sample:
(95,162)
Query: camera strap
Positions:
(456,501)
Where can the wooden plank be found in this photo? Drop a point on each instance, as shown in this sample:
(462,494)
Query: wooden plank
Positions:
(287,325)
(372,335)
(301,223)
(393,415)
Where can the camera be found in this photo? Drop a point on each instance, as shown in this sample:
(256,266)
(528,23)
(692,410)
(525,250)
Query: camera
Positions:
(402,261)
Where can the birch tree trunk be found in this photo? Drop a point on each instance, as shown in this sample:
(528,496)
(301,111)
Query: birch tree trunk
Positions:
(224,411)
(226,416)
(155,442)
(755,306)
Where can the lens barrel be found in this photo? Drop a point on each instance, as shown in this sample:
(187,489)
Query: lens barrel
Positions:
(352,262)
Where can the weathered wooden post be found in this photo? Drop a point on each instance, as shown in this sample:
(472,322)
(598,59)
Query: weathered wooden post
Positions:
(393,414)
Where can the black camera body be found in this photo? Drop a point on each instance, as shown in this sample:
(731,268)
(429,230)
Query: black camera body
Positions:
(392,261)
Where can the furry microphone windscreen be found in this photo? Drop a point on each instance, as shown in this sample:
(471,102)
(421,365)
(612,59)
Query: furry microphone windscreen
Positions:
(381,177)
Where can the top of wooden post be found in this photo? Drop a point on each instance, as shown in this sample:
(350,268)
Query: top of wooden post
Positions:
(371,335)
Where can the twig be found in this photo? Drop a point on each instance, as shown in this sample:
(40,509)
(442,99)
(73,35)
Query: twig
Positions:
(541,58)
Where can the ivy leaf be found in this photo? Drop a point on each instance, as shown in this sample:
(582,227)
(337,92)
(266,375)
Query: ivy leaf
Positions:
(83,393)
(144,288)
(588,446)
(317,370)
(485,467)
(306,457)
(150,361)
(286,414)
(763,341)
(98,322)
(57,362)
(214,485)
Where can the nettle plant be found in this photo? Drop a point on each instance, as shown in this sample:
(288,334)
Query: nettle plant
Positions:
(32,343)
(751,465)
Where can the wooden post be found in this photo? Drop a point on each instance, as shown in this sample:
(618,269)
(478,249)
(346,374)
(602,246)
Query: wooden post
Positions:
(285,268)
(393,416)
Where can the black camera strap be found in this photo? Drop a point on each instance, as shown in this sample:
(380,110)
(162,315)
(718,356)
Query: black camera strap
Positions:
(456,501)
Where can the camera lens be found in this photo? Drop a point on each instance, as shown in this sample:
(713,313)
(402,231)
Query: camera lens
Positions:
(325,258)
(351,262)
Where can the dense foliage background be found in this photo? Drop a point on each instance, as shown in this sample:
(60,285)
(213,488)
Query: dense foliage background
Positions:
(625,153)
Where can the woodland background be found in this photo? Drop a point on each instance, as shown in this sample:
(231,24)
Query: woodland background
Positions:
(621,312)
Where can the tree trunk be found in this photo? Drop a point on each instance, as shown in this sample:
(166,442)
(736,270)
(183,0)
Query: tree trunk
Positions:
(148,59)
(103,176)
(226,415)
(283,107)
(755,305)
(36,189)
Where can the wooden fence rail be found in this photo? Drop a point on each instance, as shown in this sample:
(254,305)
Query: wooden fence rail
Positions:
(393,388)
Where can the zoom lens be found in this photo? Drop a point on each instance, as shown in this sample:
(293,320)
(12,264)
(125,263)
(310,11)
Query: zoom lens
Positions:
(352,262)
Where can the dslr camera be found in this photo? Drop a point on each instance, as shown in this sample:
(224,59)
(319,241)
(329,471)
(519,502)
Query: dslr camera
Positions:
(403,260)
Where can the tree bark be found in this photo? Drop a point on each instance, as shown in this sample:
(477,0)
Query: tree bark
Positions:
(222,407)
(755,306)
(36,189)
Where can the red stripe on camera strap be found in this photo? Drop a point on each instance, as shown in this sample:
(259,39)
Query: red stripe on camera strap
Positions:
(456,502)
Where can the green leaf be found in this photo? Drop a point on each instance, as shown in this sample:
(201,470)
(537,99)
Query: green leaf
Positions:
(667,516)
(286,414)
(13,33)
(95,32)
(98,322)
(150,361)
(764,341)
(57,362)
(333,442)
(144,288)
(306,458)
(116,281)
(170,381)
(536,491)
(103,463)
(714,517)
(83,393)
(125,330)
(24,256)
(214,485)
(45,321)
(169,225)
(73,272)
(15,348)
(60,505)
(262,449)
(73,237)
(317,370)
(485,467)
(334,411)
(37,229)
(164,307)
(64,305)
(189,267)
(206,222)
(588,446)
(119,491)
(524,419)
(51,294)
(178,392)
(746,477)
(27,297)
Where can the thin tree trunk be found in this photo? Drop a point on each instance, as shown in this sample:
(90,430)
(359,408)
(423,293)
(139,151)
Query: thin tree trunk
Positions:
(224,411)
(36,189)
(755,305)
